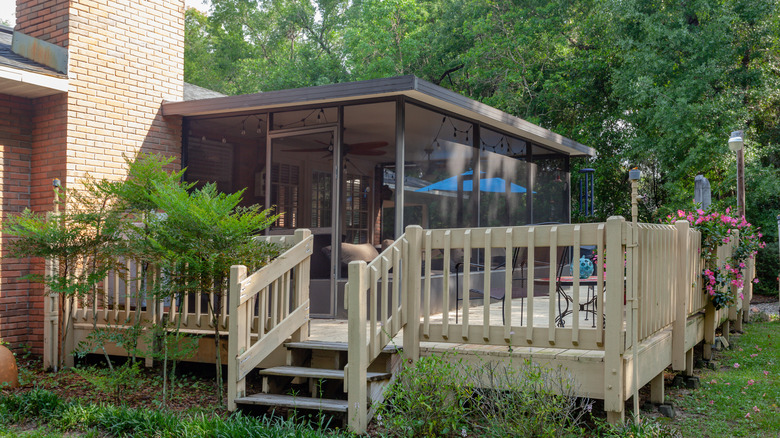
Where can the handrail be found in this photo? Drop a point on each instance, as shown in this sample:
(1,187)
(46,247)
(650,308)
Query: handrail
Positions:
(374,288)
(278,296)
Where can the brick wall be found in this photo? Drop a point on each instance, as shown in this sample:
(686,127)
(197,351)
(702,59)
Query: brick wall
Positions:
(16,137)
(43,19)
(126,57)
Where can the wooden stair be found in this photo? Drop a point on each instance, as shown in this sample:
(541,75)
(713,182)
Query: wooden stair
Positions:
(313,379)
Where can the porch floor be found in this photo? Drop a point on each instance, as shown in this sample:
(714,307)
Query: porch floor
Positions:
(335,330)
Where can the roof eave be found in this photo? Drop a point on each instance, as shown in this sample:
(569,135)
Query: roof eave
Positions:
(410,86)
(23,83)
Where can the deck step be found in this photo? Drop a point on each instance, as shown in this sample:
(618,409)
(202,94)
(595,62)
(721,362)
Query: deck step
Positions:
(294,402)
(332,346)
(318,373)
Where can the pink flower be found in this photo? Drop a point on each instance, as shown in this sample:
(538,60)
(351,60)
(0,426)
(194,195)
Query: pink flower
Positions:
(755,280)
(755,409)
(766,373)
(712,402)
(680,213)
(751,382)
(754,355)
(747,415)
(736,365)
(713,381)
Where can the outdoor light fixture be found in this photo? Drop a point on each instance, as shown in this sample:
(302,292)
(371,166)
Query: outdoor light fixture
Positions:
(736,142)
(634,174)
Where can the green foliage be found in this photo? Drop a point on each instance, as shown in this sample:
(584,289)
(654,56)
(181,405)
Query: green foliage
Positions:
(646,428)
(116,382)
(428,399)
(716,230)
(739,398)
(442,397)
(193,235)
(523,399)
(648,85)
(45,407)
(30,405)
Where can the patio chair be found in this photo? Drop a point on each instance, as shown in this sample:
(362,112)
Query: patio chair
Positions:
(563,260)
(518,261)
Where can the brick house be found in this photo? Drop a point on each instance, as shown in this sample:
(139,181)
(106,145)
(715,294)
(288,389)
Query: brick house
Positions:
(81,85)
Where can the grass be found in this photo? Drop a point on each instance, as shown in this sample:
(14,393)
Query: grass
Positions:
(41,413)
(742,396)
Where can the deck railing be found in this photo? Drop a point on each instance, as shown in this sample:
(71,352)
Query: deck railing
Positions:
(124,300)
(269,306)
(654,269)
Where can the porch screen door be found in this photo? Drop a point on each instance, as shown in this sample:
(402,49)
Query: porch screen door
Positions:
(302,193)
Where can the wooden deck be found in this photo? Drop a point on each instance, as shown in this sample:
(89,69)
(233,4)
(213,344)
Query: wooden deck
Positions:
(650,313)
(335,330)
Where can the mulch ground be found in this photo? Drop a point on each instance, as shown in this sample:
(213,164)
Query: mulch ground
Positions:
(761,299)
(193,388)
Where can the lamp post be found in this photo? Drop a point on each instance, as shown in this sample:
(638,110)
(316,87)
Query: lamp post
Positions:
(736,144)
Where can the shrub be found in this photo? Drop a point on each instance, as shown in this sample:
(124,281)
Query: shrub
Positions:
(442,397)
(524,399)
(30,405)
(427,399)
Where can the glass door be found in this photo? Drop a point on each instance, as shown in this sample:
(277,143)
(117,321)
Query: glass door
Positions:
(302,194)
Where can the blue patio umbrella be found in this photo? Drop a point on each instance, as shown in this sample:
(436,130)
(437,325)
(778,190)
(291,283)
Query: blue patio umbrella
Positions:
(487,185)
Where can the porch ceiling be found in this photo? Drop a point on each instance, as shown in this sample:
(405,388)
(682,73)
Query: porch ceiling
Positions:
(409,86)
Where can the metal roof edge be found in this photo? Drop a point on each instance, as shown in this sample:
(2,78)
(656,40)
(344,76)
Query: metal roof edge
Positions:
(42,52)
(409,85)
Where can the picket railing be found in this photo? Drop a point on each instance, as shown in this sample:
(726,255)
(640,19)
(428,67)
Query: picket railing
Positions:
(377,293)
(644,271)
(266,308)
(124,299)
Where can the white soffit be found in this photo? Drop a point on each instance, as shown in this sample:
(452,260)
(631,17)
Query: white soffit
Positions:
(27,84)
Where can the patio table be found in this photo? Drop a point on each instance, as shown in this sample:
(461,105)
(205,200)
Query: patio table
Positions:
(589,306)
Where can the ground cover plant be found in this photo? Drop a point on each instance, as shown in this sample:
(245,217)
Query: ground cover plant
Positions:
(60,416)
(442,396)
(81,401)
(741,397)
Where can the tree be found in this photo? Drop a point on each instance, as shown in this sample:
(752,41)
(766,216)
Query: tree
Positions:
(652,84)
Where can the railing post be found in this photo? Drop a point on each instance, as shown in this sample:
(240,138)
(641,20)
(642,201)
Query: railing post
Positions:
(238,335)
(748,291)
(682,294)
(614,344)
(736,308)
(357,355)
(51,316)
(412,297)
(302,285)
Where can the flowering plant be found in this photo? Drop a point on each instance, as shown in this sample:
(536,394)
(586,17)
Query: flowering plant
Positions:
(720,229)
